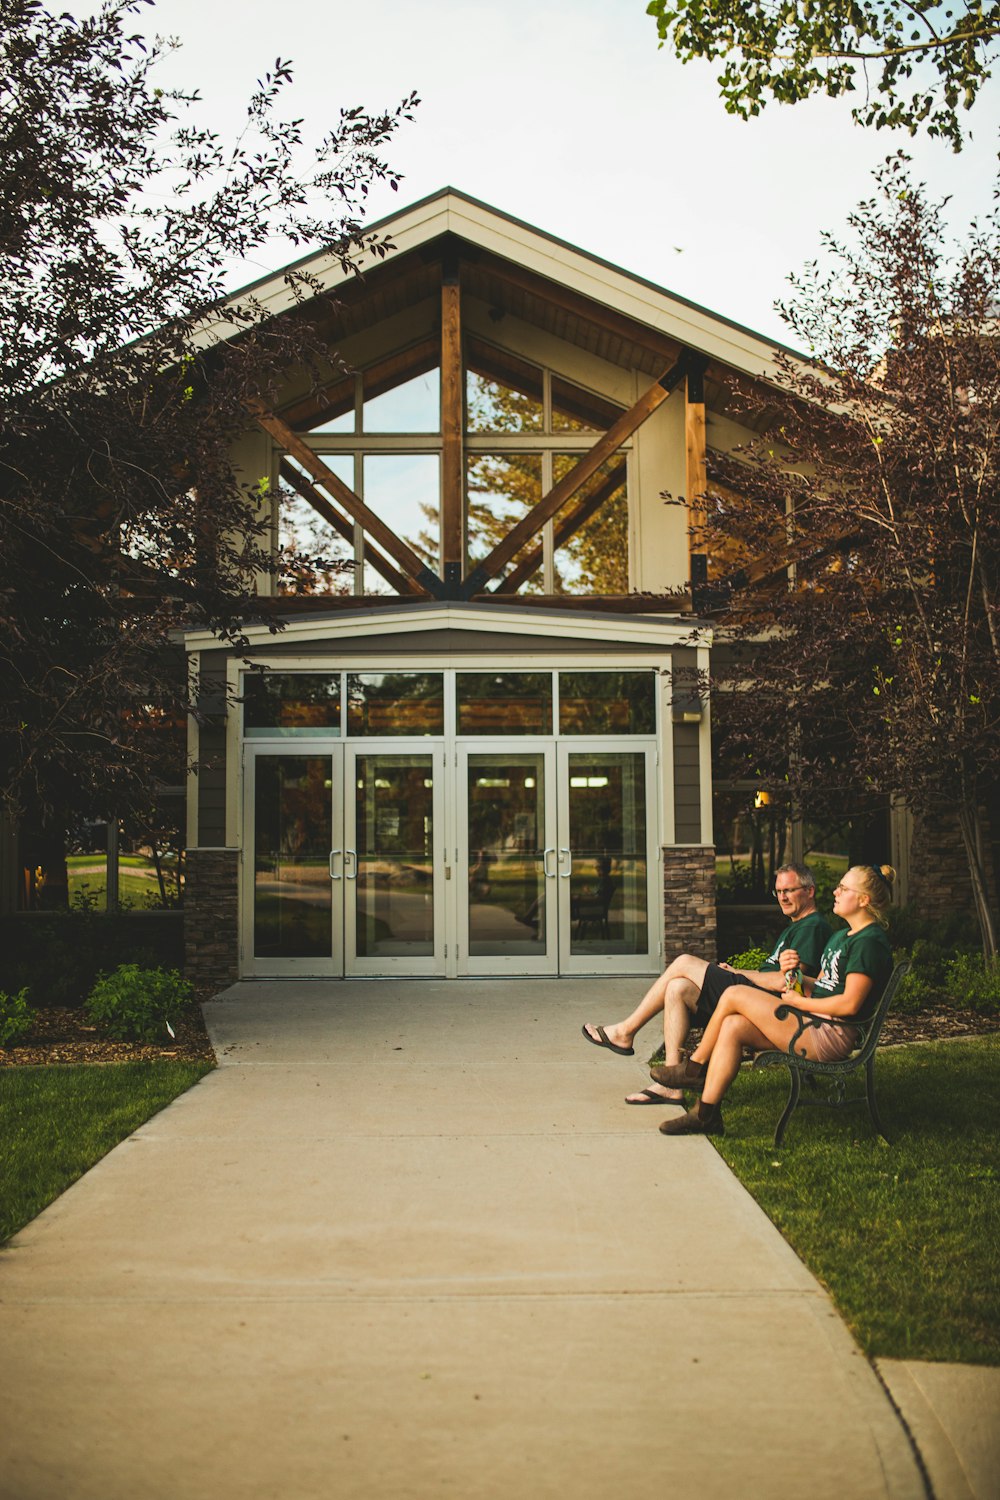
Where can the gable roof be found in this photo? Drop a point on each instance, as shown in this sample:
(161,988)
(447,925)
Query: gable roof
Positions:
(525,271)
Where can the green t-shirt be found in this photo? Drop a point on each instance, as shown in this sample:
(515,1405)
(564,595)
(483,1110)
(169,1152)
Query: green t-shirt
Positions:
(865,952)
(808,936)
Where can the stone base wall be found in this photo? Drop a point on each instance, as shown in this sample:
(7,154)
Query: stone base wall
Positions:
(939,881)
(211,919)
(689,901)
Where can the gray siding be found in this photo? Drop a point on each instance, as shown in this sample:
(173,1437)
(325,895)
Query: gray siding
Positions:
(212,758)
(687,784)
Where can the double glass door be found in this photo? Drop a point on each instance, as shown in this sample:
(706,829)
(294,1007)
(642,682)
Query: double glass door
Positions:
(479,860)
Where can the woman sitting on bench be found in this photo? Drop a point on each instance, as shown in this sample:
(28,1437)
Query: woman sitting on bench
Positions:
(854,968)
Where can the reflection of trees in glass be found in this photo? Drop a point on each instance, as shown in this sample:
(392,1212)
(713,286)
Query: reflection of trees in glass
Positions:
(315,560)
(502,488)
(594,560)
(292,699)
(502,392)
(395,703)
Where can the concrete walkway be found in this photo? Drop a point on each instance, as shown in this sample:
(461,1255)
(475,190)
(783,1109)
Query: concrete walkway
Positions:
(407,1240)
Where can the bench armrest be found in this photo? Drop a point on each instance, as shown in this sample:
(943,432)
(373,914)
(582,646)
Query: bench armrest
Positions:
(809,1018)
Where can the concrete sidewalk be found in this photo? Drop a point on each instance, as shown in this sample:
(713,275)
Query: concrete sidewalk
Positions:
(407,1239)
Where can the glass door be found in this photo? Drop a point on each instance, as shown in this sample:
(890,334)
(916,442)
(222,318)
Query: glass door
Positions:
(505,861)
(393,862)
(294,867)
(607,859)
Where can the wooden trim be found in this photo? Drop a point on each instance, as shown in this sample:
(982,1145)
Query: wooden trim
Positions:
(567,487)
(696,480)
(423,576)
(566,528)
(344,527)
(452,426)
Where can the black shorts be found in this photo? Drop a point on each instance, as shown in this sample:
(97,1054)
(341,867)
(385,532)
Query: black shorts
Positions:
(717,981)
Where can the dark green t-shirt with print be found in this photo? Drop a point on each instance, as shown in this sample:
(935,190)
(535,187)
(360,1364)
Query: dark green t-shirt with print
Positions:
(865,952)
(808,936)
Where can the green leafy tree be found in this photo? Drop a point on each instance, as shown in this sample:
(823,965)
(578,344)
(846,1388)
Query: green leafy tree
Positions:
(121,516)
(916,64)
(881,610)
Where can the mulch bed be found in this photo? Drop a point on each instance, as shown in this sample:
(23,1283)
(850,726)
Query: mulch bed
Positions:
(62,1036)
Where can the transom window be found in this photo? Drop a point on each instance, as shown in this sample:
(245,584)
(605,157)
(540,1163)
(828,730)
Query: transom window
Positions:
(488,704)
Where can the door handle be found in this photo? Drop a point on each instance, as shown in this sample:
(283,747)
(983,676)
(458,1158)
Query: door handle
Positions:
(352,856)
(549,874)
(565,874)
(334,853)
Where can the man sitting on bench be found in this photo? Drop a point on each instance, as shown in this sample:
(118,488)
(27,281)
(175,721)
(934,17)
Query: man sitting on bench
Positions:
(689,988)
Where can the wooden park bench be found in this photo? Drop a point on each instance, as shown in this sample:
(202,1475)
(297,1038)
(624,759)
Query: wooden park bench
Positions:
(834,1073)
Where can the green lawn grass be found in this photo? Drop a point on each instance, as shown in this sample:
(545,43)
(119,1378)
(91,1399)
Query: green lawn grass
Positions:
(57,1122)
(905,1236)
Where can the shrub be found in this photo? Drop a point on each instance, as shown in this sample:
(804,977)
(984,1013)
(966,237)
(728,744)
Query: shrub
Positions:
(750,958)
(16,1016)
(137,1004)
(59,955)
(970,980)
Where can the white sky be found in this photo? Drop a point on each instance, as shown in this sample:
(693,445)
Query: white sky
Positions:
(568,116)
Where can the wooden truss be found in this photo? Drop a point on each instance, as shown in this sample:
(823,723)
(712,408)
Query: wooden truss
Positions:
(392,557)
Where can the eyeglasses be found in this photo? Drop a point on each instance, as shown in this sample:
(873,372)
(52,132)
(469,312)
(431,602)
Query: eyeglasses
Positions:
(789,890)
(846,890)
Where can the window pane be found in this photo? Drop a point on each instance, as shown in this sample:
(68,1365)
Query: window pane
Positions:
(401,703)
(413,406)
(577,410)
(395,835)
(302,531)
(336,422)
(607,702)
(506,878)
(591,557)
(299,703)
(504,703)
(607,833)
(752,839)
(292,838)
(334,409)
(404,490)
(501,488)
(502,393)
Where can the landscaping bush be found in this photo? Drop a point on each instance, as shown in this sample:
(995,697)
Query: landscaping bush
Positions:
(750,958)
(16,1016)
(58,955)
(942,976)
(970,980)
(135,1004)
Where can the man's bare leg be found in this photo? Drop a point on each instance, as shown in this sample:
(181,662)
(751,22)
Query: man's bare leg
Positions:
(680,1002)
(623,1033)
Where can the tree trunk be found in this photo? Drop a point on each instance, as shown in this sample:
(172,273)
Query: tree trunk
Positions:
(970,822)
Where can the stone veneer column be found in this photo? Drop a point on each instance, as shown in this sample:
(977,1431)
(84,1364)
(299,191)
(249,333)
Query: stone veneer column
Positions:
(211,919)
(689,924)
(940,884)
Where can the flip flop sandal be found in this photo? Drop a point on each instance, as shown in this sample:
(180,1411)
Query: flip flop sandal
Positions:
(602,1040)
(651,1097)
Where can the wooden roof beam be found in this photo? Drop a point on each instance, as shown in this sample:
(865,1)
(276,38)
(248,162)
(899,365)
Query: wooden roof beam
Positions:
(452,427)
